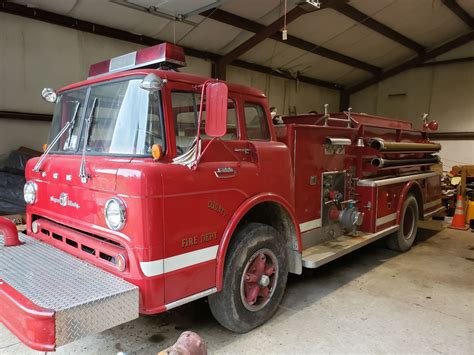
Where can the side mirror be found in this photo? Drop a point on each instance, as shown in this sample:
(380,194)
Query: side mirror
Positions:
(49,95)
(152,83)
(216,109)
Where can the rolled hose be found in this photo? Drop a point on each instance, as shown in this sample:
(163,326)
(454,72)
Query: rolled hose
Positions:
(387,163)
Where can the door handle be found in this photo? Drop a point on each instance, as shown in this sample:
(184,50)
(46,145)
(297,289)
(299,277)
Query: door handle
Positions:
(224,173)
(243,150)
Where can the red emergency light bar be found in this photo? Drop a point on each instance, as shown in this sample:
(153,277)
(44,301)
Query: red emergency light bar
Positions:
(160,56)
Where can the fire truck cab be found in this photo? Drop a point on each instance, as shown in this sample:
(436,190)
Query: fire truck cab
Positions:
(158,187)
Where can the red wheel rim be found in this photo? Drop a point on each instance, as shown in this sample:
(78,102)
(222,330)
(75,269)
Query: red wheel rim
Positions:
(259,280)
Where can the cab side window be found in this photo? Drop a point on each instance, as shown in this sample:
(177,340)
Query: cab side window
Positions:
(256,122)
(186,107)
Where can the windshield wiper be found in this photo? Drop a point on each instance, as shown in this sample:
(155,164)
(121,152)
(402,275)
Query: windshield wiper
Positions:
(82,171)
(71,127)
(55,140)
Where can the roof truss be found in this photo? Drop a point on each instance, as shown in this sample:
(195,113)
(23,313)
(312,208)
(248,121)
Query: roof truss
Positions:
(251,26)
(414,62)
(378,27)
(460,12)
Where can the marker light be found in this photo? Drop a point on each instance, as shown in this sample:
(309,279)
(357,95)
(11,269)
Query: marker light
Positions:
(29,192)
(115,214)
(156,151)
(120,262)
(34,227)
(49,95)
(163,54)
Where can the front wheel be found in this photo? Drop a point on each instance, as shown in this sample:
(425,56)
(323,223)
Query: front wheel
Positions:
(403,239)
(255,275)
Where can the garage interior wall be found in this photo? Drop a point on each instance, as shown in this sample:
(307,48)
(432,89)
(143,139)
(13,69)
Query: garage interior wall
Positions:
(44,55)
(445,91)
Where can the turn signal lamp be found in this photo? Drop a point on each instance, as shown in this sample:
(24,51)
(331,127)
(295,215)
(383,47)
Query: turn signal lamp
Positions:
(156,151)
(34,227)
(120,262)
(163,55)
(45,146)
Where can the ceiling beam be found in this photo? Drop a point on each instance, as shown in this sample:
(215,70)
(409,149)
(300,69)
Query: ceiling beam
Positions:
(448,61)
(378,27)
(261,35)
(414,62)
(451,136)
(283,74)
(89,27)
(251,26)
(460,12)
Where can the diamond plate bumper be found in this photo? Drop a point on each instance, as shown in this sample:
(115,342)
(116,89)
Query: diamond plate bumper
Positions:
(49,298)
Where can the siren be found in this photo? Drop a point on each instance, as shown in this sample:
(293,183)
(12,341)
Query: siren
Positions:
(161,56)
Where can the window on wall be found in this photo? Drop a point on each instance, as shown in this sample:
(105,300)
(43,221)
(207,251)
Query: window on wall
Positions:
(256,122)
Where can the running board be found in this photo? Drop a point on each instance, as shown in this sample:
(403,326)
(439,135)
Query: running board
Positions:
(325,252)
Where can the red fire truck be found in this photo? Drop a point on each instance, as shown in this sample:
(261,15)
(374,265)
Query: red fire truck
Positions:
(158,188)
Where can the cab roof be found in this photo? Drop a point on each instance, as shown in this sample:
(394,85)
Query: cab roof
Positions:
(164,74)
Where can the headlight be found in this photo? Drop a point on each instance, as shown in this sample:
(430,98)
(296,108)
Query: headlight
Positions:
(115,214)
(29,192)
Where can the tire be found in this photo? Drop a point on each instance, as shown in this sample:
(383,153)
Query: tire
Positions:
(243,303)
(403,239)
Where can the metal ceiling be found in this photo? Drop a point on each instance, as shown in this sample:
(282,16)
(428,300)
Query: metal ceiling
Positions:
(345,43)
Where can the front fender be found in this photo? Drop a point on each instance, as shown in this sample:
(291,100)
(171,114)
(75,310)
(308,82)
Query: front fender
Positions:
(246,206)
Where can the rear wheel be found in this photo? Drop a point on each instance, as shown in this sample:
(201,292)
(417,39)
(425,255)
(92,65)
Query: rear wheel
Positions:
(255,275)
(403,239)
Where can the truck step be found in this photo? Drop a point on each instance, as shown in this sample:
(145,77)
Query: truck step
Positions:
(325,252)
(83,299)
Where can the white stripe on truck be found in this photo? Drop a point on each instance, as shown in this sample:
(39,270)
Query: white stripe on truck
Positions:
(162,266)
(386,219)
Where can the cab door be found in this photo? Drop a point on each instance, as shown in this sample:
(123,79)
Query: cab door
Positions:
(199,203)
(273,157)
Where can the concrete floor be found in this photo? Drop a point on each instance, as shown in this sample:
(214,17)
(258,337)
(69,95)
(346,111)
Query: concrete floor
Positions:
(372,301)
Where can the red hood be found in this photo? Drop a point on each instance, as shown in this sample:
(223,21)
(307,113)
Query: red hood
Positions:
(64,170)
(125,177)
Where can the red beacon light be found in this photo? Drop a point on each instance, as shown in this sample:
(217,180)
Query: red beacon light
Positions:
(161,56)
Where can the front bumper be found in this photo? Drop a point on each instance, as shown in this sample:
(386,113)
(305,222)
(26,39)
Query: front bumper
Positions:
(49,298)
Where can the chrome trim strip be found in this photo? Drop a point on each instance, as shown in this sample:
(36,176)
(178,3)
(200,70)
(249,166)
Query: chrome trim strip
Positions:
(432,204)
(385,219)
(190,298)
(313,224)
(397,179)
(429,214)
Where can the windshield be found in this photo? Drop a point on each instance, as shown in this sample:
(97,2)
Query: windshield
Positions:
(125,120)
